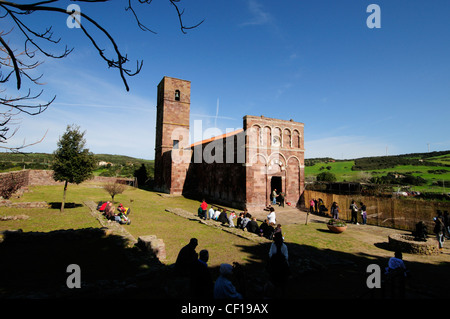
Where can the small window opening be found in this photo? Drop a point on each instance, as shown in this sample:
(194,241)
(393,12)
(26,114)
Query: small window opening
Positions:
(177,95)
(175,144)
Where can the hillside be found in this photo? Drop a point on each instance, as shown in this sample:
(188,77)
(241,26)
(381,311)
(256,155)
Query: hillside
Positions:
(423,172)
(114,165)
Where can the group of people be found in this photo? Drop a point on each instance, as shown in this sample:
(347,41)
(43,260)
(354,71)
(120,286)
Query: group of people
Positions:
(244,221)
(202,286)
(278,198)
(317,206)
(109,211)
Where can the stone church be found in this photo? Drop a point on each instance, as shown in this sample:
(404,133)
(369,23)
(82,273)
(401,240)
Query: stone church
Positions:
(238,169)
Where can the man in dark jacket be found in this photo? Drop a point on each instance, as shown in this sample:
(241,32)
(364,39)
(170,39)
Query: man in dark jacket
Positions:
(252,226)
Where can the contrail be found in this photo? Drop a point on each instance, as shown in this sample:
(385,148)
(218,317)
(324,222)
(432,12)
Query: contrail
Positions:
(217,113)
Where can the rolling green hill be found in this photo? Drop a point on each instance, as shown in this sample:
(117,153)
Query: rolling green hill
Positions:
(432,167)
(117,165)
(423,172)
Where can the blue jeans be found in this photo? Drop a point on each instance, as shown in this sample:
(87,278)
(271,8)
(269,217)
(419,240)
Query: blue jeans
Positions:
(440,238)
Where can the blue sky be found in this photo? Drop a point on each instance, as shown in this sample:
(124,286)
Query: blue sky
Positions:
(359,91)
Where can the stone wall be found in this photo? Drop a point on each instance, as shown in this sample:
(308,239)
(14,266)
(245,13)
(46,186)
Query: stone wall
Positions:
(32,177)
(8,203)
(274,160)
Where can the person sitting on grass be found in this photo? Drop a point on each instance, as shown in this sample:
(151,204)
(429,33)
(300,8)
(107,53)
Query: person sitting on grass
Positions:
(245,221)
(121,218)
(252,226)
(223,218)
(124,210)
(109,211)
(216,214)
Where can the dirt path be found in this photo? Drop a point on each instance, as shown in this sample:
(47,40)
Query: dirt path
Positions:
(366,233)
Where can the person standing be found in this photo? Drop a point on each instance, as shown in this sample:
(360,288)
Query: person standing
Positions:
(363,213)
(204,206)
(439,229)
(282,195)
(334,210)
(311,205)
(354,213)
(446,225)
(274,196)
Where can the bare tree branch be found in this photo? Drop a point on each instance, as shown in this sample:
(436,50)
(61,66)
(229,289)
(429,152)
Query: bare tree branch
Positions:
(17,64)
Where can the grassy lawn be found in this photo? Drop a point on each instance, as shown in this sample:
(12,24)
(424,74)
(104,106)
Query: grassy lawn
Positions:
(318,256)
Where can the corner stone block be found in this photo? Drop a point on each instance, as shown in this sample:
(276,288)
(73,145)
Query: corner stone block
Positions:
(153,245)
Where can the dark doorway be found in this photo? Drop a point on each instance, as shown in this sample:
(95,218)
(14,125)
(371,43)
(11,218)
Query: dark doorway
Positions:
(275,183)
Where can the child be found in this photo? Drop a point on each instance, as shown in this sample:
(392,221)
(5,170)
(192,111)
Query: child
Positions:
(230,218)
(363,213)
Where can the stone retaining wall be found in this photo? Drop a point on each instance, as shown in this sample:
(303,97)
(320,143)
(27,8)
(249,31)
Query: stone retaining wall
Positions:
(407,244)
(210,222)
(8,203)
(45,177)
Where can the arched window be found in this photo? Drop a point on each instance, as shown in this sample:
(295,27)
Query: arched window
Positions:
(287,138)
(296,139)
(177,95)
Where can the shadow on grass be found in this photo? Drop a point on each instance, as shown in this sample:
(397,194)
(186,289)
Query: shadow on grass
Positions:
(57,205)
(327,274)
(34,265)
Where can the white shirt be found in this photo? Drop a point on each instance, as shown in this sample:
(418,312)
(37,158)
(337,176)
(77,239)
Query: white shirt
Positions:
(271,217)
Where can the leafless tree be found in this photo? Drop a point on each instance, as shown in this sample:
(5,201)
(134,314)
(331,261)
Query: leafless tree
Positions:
(114,188)
(16,64)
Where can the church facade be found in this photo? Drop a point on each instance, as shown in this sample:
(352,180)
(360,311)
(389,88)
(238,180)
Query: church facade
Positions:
(238,169)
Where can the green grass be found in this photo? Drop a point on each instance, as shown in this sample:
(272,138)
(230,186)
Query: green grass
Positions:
(150,218)
(40,264)
(343,172)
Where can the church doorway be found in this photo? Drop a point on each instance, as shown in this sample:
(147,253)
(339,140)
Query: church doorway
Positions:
(275,183)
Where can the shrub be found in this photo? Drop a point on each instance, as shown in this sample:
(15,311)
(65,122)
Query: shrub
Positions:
(326,177)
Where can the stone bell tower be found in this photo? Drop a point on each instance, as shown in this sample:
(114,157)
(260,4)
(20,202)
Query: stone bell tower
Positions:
(172,134)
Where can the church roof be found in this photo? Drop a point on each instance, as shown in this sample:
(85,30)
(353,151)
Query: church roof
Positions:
(217,137)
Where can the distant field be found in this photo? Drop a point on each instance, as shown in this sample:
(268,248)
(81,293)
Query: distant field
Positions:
(121,165)
(433,169)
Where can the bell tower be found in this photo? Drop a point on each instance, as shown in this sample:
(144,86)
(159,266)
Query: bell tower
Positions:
(172,134)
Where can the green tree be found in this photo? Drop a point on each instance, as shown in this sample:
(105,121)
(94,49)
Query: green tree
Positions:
(141,175)
(73,163)
(326,177)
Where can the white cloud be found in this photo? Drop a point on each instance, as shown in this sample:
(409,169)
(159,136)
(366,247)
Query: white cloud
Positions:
(259,15)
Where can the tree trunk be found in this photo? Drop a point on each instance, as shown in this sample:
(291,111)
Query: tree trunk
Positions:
(64,197)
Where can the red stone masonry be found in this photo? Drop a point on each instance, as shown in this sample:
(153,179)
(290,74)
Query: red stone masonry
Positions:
(266,153)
